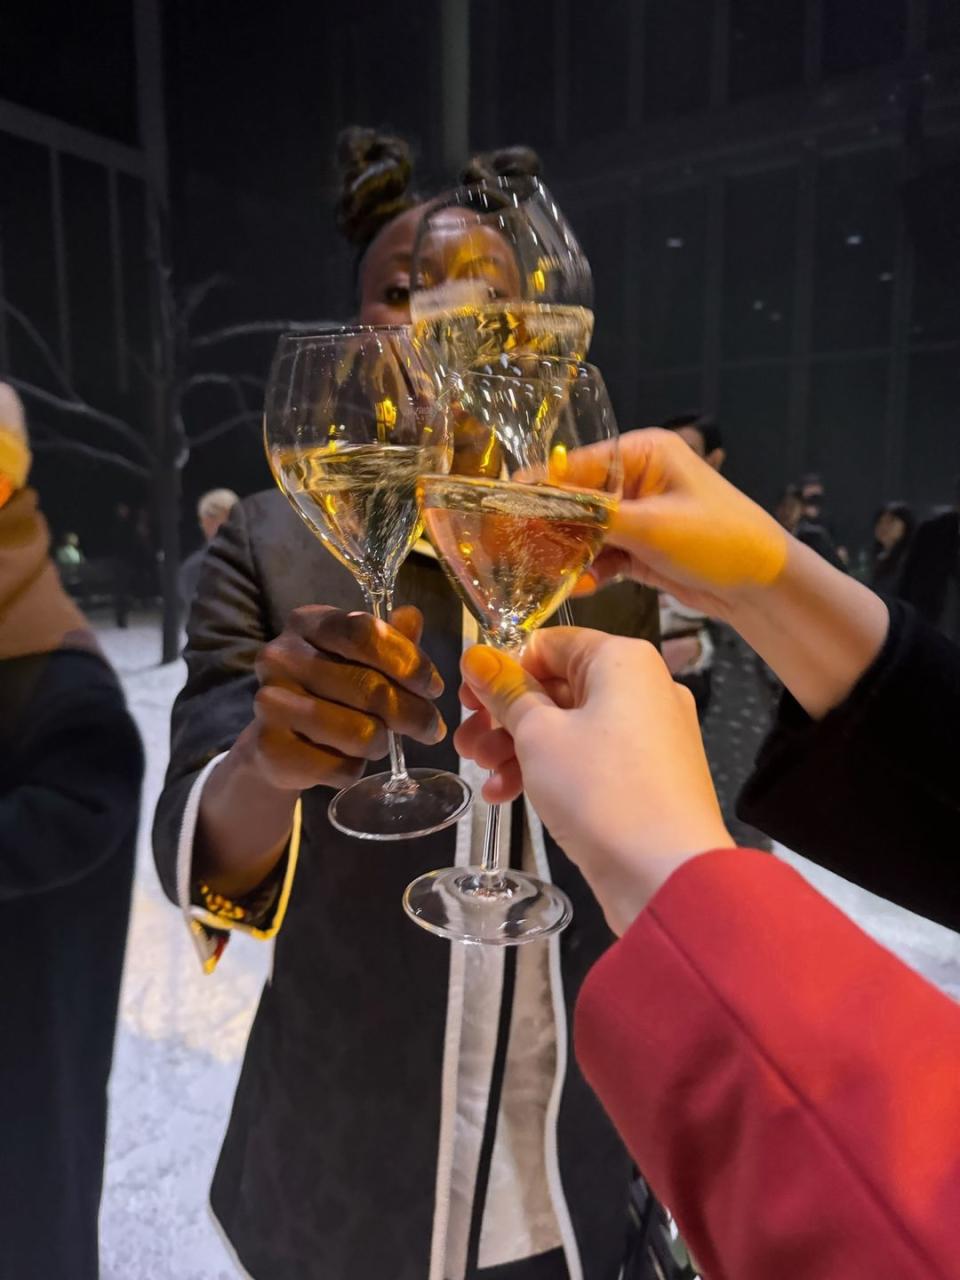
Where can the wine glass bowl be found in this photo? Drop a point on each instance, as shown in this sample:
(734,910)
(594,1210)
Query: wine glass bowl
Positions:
(348,433)
(517,544)
(514,546)
(498,273)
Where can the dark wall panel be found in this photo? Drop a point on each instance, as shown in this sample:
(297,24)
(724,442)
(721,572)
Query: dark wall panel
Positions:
(846,441)
(26,233)
(759,263)
(932,439)
(671,231)
(857,220)
(753,419)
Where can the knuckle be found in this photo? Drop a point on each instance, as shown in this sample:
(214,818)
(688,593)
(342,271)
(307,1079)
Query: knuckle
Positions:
(306,617)
(359,628)
(265,702)
(687,700)
(371,738)
(278,657)
(347,771)
(377,694)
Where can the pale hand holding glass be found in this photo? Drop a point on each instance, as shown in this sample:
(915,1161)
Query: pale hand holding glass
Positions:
(514,547)
(348,435)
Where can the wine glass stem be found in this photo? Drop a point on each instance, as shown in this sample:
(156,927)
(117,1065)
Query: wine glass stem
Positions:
(490,870)
(490,862)
(380,604)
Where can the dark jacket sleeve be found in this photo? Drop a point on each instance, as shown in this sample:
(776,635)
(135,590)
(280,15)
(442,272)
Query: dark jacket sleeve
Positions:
(74,801)
(930,561)
(226,629)
(786,1085)
(872,791)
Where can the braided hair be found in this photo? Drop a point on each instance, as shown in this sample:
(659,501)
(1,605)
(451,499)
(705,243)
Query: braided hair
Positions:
(376,175)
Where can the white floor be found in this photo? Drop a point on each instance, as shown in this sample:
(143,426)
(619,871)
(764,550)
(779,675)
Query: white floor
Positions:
(179,1042)
(181,1034)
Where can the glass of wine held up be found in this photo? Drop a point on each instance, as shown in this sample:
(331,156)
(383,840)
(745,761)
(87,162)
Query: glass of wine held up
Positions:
(348,433)
(499,279)
(514,541)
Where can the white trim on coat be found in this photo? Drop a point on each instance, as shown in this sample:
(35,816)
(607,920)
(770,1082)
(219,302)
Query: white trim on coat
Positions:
(188,829)
(551,1155)
(449,1079)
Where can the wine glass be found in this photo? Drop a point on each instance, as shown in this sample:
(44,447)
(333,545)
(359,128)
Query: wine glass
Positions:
(498,278)
(348,434)
(514,546)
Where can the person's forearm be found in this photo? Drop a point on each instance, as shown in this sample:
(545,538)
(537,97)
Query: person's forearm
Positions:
(243,825)
(816,627)
(744,1028)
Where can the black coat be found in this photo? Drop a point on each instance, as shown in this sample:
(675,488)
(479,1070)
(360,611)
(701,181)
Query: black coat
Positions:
(329,1165)
(872,791)
(931,568)
(70,770)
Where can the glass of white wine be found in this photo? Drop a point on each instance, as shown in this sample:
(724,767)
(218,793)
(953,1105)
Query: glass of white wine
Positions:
(514,544)
(348,433)
(498,277)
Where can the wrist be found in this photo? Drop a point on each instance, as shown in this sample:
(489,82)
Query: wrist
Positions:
(246,766)
(243,823)
(626,886)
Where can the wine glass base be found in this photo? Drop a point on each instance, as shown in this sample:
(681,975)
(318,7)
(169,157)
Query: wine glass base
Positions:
(491,909)
(373,809)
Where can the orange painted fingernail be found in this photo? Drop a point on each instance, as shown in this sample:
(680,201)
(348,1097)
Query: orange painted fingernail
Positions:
(482,664)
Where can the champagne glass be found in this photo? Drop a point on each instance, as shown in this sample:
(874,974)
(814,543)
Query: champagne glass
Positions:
(348,435)
(498,279)
(514,547)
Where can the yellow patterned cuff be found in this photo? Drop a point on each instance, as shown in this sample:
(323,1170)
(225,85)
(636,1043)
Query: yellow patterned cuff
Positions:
(260,913)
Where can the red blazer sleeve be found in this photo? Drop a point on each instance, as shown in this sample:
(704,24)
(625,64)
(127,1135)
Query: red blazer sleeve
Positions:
(790,1090)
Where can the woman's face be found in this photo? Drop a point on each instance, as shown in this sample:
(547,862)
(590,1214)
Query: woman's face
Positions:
(889,529)
(789,510)
(456,250)
(385,272)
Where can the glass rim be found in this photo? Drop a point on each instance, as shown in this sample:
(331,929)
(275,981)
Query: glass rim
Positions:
(501,182)
(506,376)
(341,331)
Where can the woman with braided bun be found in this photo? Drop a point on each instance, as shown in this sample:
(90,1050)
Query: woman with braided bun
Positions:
(406,1110)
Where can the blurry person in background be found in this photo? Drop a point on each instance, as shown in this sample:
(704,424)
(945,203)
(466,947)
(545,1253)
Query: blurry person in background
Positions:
(813,496)
(931,569)
(892,532)
(702,434)
(70,771)
(125,560)
(799,517)
(406,1110)
(212,509)
(69,560)
(134,561)
(68,550)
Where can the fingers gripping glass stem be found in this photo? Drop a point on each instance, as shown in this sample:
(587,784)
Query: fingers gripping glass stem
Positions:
(380,605)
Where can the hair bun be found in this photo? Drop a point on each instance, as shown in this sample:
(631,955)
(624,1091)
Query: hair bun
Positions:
(375,172)
(508,162)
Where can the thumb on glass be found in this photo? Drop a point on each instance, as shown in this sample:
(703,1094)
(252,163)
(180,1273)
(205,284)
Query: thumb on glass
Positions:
(503,687)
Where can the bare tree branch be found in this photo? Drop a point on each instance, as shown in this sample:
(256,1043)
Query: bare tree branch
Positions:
(258,326)
(144,369)
(204,379)
(51,361)
(197,294)
(221,428)
(62,444)
(81,409)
